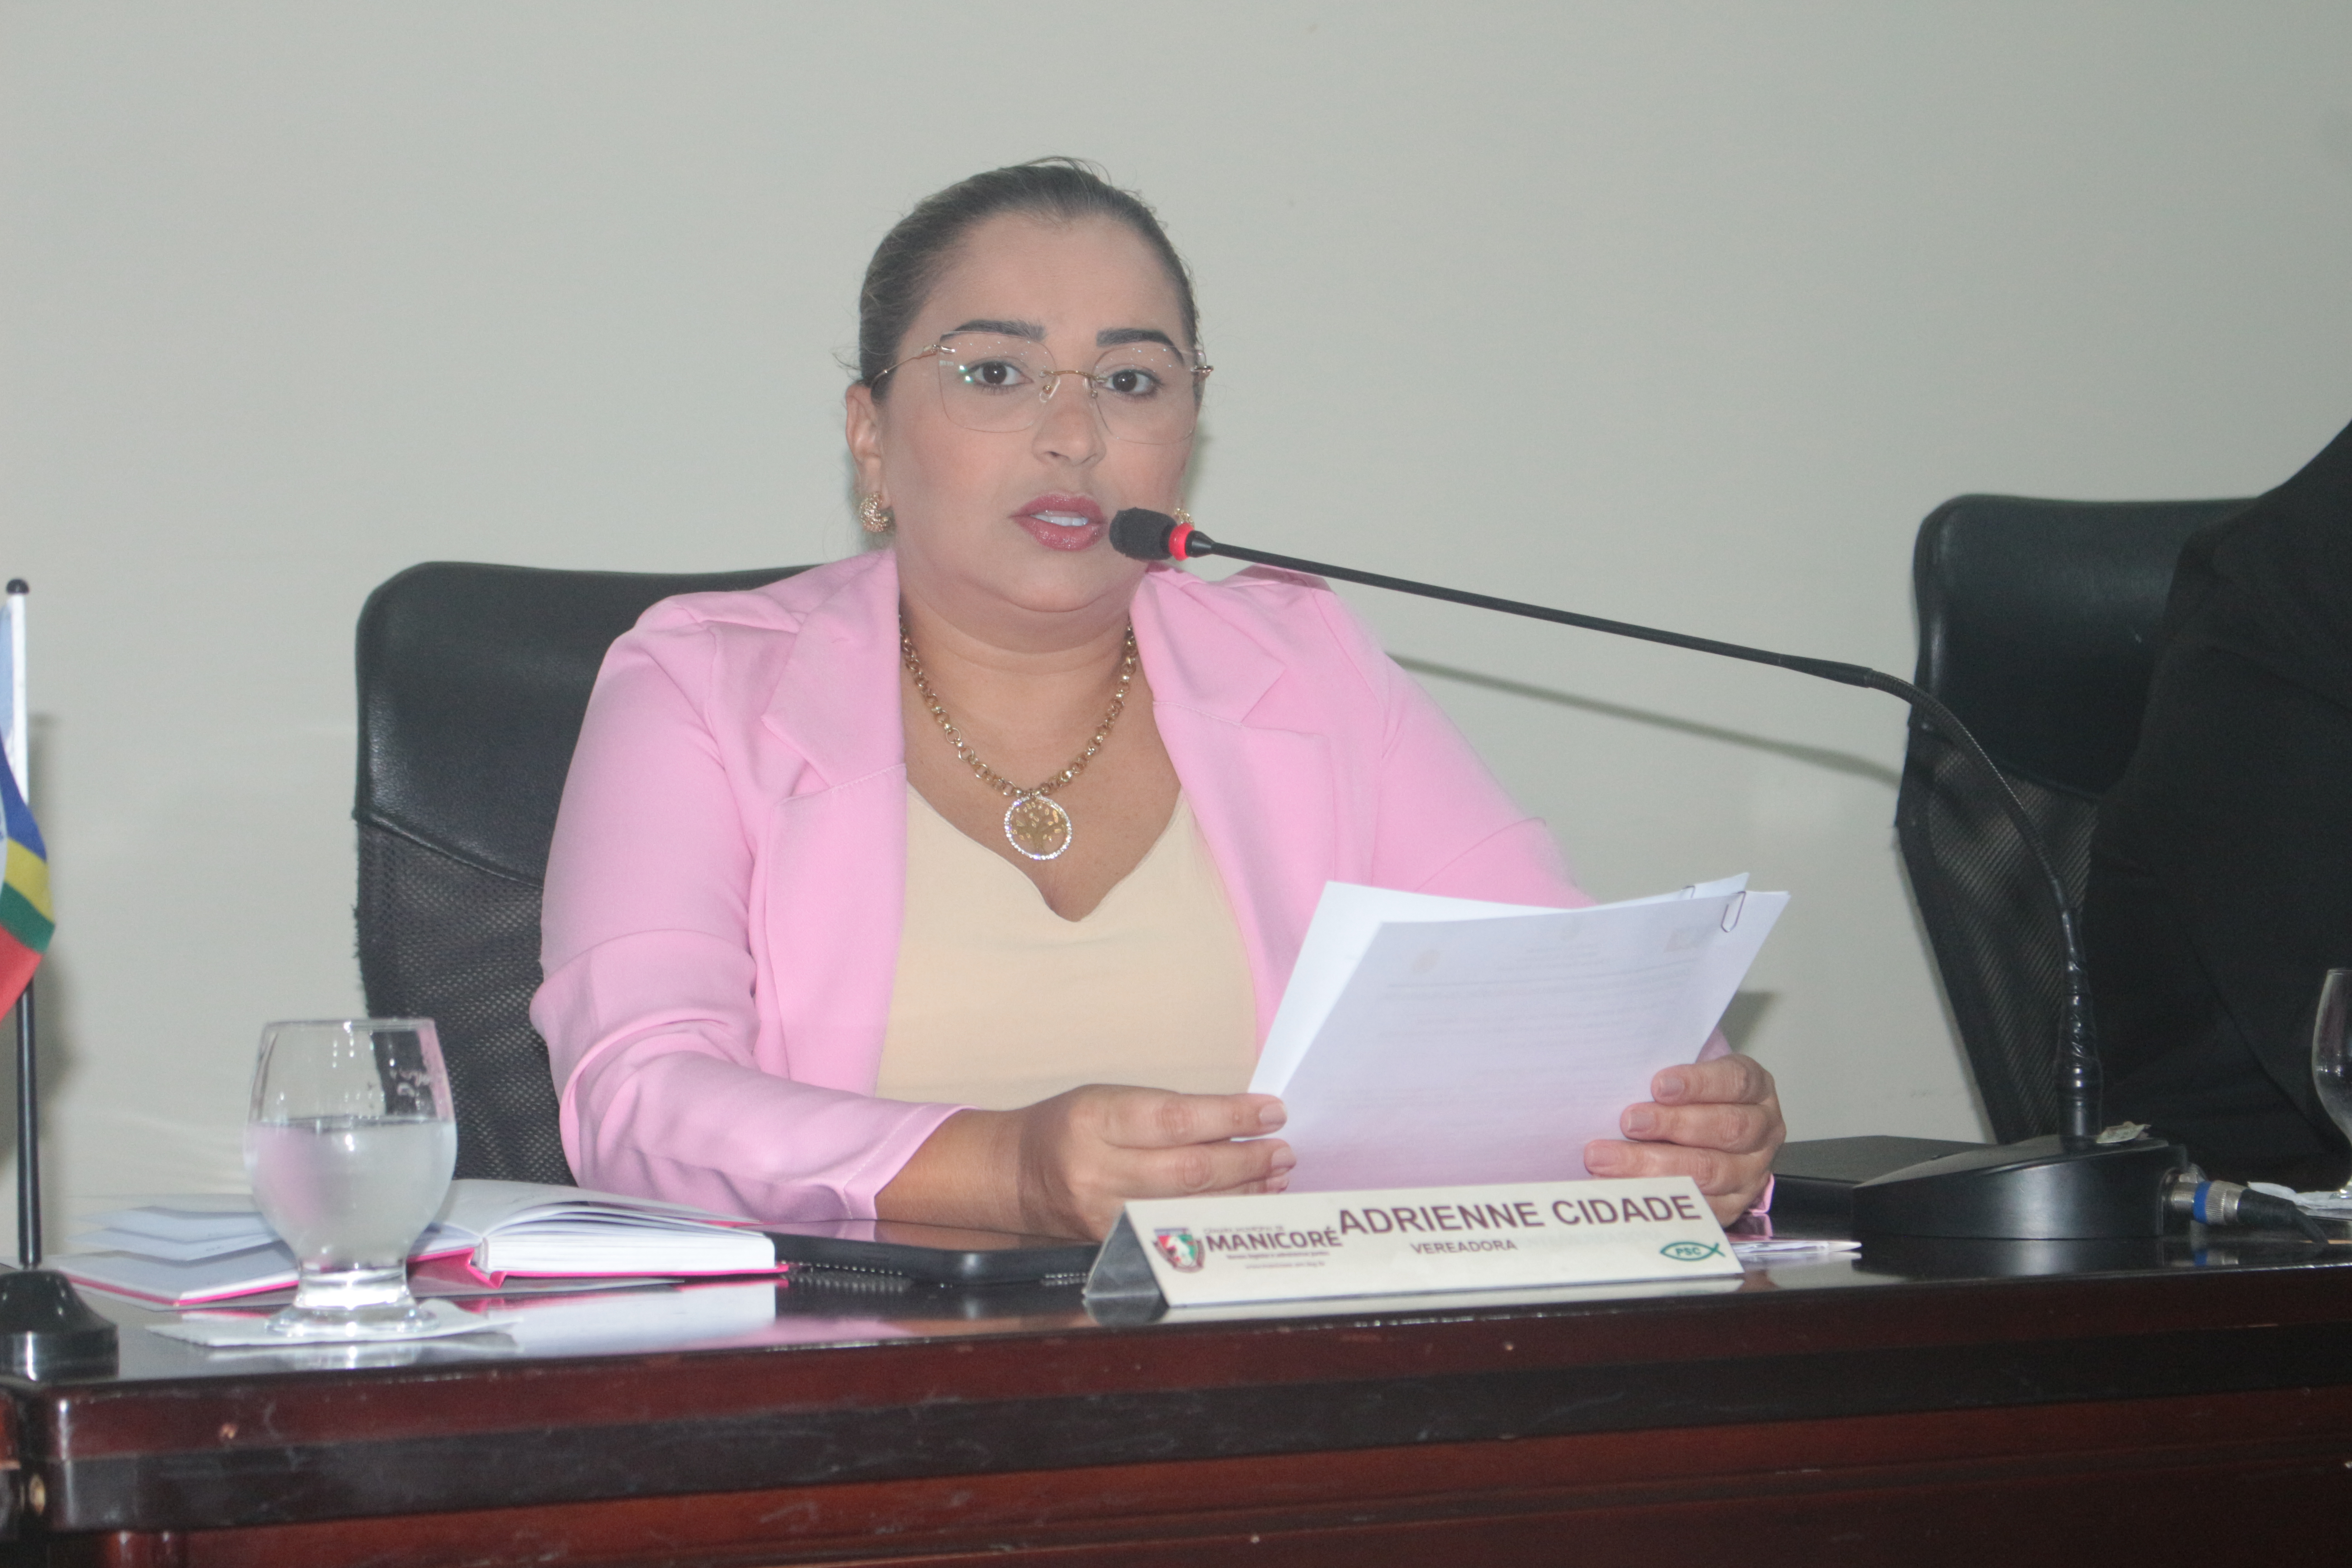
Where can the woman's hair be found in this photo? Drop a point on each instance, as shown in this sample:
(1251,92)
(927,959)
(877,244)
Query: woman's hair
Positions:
(908,261)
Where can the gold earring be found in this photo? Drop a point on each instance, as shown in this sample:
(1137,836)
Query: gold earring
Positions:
(1182,516)
(873,516)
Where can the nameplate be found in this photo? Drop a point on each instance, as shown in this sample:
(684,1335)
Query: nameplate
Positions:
(1301,1247)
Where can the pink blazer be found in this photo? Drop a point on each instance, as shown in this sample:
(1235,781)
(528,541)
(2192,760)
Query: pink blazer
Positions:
(724,890)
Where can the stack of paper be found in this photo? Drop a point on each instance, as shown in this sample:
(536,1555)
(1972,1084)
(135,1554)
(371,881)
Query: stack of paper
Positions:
(182,1251)
(638,1319)
(1444,1042)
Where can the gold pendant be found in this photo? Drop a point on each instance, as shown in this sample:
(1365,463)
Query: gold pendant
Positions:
(1036,826)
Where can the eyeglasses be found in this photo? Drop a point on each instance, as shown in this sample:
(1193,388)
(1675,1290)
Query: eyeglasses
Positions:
(1146,392)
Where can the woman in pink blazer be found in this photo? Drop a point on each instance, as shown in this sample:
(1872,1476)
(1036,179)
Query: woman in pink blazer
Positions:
(728,877)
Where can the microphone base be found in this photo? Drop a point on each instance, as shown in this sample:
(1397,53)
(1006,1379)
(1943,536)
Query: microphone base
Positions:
(47,1330)
(2034,1191)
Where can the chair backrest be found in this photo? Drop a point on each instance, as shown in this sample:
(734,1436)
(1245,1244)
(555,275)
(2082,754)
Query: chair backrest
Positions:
(2037,625)
(472,681)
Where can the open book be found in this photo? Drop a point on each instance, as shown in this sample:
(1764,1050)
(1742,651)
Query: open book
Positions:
(1426,1041)
(179,1252)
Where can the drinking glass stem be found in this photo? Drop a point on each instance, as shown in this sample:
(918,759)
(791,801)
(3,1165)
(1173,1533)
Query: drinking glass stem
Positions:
(347,1289)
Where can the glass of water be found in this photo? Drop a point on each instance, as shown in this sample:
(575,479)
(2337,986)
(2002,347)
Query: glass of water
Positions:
(349,1146)
(2331,1057)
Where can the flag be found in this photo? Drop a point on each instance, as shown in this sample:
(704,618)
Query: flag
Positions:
(25,921)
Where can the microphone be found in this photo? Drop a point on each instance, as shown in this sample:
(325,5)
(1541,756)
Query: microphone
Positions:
(2082,1182)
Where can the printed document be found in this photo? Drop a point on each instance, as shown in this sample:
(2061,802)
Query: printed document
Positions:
(1426,1041)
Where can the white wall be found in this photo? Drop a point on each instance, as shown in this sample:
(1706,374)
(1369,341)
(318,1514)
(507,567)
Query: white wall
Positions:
(1684,313)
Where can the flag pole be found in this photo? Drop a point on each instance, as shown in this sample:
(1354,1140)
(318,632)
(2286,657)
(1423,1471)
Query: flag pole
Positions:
(18,740)
(28,1139)
(47,1329)
(19,759)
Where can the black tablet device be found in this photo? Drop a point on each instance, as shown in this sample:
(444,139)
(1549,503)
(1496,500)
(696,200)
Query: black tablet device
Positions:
(944,1253)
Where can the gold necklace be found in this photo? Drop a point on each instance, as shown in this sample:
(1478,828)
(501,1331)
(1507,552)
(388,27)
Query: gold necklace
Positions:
(1035,824)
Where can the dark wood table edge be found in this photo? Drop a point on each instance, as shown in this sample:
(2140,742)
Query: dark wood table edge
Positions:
(2179,1474)
(813,1417)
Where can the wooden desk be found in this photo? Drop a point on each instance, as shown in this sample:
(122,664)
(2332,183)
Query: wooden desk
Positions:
(1828,1413)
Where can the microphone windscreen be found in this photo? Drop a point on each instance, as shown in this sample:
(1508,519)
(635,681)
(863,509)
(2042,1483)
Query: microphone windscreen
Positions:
(1143,534)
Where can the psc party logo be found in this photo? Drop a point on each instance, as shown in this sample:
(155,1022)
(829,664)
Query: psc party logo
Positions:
(1691,1251)
(1180,1247)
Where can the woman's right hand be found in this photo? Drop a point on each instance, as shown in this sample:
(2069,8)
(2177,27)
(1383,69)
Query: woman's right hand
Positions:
(1084,1154)
(1064,1165)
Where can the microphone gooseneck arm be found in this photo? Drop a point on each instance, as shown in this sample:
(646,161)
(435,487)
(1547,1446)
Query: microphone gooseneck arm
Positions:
(1149,535)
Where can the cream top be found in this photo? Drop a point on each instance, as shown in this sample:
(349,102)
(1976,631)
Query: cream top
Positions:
(1000,1002)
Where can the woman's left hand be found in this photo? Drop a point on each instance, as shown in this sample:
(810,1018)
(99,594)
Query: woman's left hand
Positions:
(1715,1122)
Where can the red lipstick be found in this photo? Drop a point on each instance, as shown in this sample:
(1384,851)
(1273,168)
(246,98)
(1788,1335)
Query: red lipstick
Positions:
(1063,521)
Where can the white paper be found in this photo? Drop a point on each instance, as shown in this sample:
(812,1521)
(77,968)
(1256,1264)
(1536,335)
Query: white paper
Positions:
(228,1218)
(1773,1249)
(639,1320)
(163,1282)
(444,1319)
(166,1250)
(1347,918)
(1465,1043)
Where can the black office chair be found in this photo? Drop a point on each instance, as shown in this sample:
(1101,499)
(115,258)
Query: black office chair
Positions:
(472,683)
(2037,626)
